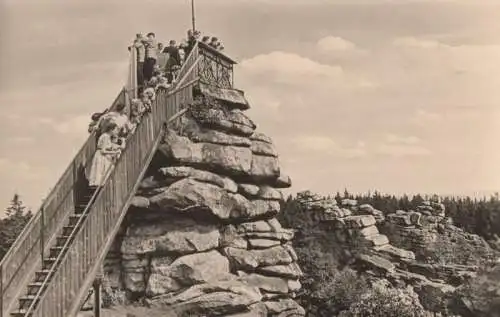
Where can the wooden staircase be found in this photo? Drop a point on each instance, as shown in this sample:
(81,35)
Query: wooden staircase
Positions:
(53,263)
(56,253)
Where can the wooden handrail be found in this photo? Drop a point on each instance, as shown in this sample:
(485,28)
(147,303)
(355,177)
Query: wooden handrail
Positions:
(18,265)
(68,286)
(78,266)
(77,270)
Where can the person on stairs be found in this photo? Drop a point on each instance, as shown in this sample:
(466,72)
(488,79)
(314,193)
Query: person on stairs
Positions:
(105,156)
(120,118)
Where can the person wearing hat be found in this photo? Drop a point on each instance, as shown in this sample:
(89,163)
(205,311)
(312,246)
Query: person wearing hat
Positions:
(151,55)
(118,117)
(213,42)
(205,39)
(96,120)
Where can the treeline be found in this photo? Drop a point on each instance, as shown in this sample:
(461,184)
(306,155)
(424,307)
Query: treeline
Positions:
(476,215)
(16,217)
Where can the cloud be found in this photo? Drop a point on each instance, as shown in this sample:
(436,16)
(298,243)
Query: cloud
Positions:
(292,70)
(334,43)
(398,139)
(22,169)
(290,67)
(326,145)
(413,42)
(18,140)
(76,126)
(402,150)
(395,145)
(457,59)
(424,117)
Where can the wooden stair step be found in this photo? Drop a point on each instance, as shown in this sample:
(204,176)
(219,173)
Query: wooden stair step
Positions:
(67,230)
(48,262)
(33,288)
(73,219)
(60,241)
(25,301)
(20,313)
(41,275)
(54,251)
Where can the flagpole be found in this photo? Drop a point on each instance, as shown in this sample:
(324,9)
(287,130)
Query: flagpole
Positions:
(192,15)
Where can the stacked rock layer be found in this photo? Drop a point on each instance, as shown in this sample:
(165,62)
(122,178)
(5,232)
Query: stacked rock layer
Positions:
(201,237)
(391,256)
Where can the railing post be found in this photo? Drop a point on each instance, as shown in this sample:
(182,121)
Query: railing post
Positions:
(1,289)
(97,296)
(42,227)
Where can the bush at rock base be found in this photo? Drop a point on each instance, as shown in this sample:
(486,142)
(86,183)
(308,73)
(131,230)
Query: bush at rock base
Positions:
(347,288)
(455,250)
(481,296)
(387,302)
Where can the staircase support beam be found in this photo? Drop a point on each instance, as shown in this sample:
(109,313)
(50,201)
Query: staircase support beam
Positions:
(97,296)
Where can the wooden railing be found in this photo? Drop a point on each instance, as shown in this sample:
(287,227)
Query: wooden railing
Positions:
(18,265)
(189,63)
(214,68)
(78,267)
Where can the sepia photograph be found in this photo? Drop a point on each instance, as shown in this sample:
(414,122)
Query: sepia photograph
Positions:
(249,158)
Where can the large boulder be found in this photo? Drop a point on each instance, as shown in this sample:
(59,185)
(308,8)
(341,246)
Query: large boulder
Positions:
(197,133)
(215,157)
(167,276)
(284,308)
(251,259)
(219,298)
(189,194)
(171,235)
(179,172)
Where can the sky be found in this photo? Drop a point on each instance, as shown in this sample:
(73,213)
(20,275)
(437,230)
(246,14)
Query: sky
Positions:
(397,96)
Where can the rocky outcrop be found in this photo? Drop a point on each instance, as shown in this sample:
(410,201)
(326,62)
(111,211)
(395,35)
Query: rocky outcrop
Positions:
(201,237)
(386,248)
(428,230)
(356,227)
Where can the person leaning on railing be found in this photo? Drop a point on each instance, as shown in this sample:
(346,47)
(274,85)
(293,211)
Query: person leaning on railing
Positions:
(120,118)
(105,156)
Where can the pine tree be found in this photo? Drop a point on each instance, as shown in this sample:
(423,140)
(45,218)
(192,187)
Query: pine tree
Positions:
(11,226)
(16,207)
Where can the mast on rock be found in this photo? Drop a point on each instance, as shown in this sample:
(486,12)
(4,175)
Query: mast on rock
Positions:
(193,19)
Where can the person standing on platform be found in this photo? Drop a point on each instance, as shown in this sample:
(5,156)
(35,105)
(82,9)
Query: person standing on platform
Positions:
(151,56)
(141,55)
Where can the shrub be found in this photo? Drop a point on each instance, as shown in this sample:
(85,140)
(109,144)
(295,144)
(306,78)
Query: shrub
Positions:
(457,249)
(387,302)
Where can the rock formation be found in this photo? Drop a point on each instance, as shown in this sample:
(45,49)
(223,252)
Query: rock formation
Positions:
(201,237)
(387,247)
(421,229)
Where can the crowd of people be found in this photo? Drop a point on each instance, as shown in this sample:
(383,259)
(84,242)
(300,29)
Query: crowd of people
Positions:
(156,61)
(114,127)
